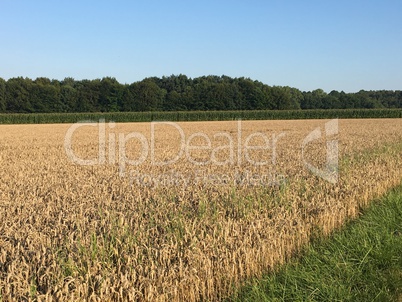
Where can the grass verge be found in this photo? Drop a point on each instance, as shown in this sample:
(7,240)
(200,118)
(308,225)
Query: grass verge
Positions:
(360,262)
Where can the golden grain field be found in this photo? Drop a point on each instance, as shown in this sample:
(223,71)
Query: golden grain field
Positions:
(176,212)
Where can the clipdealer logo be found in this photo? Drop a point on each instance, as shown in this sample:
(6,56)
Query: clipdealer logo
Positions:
(239,147)
(330,172)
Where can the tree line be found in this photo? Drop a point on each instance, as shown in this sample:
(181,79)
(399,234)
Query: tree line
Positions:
(176,93)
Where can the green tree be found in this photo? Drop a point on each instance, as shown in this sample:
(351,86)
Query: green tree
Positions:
(2,95)
(176,83)
(148,96)
(45,96)
(296,98)
(187,98)
(18,95)
(284,98)
(177,92)
(173,101)
(110,92)
(88,96)
(126,102)
(318,98)
(252,96)
(331,100)
(346,100)
(366,101)
(69,97)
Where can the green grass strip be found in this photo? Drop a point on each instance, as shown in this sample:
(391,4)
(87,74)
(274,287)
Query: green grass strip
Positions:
(360,262)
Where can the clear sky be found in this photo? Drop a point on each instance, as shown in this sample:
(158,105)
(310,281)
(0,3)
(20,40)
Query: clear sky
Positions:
(338,44)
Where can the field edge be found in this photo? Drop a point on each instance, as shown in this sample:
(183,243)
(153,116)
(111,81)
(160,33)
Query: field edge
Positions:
(359,262)
(182,116)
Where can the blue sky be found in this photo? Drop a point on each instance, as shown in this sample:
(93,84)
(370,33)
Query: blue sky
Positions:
(341,45)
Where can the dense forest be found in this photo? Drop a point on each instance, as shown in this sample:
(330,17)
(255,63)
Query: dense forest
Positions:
(176,93)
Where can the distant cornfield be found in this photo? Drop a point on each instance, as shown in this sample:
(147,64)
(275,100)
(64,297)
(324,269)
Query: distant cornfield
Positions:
(176,212)
(180,116)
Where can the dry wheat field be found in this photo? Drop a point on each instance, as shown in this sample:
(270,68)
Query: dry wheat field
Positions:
(177,212)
